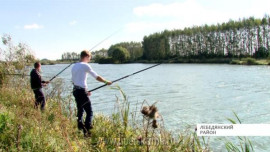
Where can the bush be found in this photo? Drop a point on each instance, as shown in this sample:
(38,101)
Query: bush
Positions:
(235,62)
(4,121)
(120,54)
(250,61)
(97,58)
(14,58)
(6,131)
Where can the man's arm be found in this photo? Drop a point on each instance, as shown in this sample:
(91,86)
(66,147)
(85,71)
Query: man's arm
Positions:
(44,82)
(101,79)
(95,75)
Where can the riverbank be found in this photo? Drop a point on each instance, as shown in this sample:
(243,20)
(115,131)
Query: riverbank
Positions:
(243,61)
(250,61)
(24,128)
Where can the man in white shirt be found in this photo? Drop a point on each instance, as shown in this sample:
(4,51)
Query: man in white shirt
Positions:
(80,72)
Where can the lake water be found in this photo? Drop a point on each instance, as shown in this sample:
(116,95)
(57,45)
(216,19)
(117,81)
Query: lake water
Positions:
(187,93)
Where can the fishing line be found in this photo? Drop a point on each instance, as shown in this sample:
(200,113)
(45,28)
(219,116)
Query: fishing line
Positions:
(89,50)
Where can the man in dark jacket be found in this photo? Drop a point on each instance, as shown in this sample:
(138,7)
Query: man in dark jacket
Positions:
(37,84)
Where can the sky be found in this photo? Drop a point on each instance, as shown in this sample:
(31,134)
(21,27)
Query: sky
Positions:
(52,27)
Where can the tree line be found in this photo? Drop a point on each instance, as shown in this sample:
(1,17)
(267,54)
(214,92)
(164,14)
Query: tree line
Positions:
(242,38)
(70,56)
(117,53)
(247,37)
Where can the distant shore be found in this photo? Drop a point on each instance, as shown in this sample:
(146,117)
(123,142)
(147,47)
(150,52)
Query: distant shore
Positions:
(243,61)
(236,61)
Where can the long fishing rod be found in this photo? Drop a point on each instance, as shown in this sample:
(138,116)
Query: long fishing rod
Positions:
(61,72)
(17,74)
(23,75)
(89,50)
(125,77)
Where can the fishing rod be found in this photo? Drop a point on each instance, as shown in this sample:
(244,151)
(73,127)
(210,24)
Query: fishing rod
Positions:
(125,77)
(61,72)
(17,74)
(89,50)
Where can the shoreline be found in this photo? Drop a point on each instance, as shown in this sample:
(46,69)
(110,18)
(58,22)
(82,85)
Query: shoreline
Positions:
(233,61)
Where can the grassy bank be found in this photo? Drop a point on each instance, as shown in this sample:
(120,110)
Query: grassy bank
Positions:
(23,128)
(250,61)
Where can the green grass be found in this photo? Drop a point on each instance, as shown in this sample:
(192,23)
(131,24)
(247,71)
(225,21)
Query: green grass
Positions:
(244,145)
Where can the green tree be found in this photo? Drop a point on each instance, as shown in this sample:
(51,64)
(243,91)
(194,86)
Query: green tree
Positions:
(97,58)
(13,57)
(156,46)
(120,54)
(134,48)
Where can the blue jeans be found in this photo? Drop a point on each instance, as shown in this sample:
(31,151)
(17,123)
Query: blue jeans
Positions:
(40,99)
(83,104)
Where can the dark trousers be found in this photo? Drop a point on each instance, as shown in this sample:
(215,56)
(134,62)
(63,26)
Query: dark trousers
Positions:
(40,99)
(83,104)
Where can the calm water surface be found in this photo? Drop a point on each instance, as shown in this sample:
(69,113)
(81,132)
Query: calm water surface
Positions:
(187,93)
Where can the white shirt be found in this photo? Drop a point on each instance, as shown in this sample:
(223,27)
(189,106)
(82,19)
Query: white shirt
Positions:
(80,72)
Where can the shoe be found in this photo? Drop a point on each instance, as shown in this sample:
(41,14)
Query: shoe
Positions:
(88,126)
(86,130)
(80,125)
